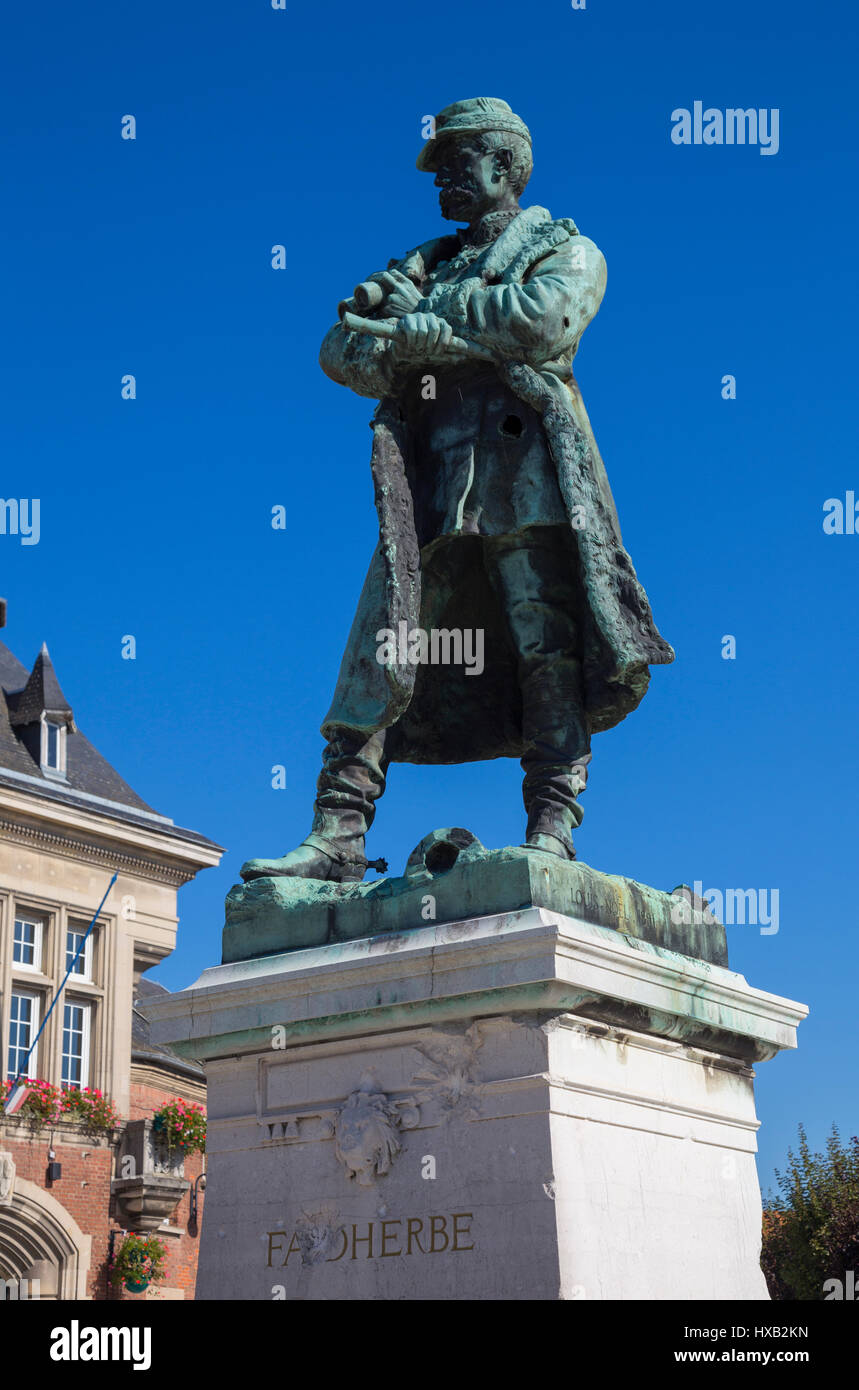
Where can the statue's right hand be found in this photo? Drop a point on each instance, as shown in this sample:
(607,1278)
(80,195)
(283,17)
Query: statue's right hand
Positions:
(422,338)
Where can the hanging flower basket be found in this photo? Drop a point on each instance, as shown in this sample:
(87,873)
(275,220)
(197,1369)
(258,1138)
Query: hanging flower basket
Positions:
(180,1125)
(139,1262)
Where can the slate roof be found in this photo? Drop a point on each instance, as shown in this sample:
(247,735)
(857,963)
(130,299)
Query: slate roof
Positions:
(13,754)
(159,1054)
(42,692)
(23,696)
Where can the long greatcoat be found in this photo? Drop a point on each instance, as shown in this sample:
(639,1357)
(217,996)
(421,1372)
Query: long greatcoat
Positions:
(529,296)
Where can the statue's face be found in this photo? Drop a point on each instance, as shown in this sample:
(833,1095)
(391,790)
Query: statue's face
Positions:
(472,183)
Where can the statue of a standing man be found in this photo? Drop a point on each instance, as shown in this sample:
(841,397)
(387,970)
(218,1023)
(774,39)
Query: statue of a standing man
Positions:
(494,508)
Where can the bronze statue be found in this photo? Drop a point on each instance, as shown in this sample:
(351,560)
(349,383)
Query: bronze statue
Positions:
(495,513)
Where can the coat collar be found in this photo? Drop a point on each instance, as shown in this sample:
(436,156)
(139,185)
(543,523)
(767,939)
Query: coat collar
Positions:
(489,228)
(513,240)
(513,245)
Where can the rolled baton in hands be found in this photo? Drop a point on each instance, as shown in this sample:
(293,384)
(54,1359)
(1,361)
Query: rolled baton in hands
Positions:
(368,295)
(386,328)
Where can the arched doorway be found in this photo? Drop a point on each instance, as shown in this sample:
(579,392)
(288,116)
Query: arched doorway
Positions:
(40,1240)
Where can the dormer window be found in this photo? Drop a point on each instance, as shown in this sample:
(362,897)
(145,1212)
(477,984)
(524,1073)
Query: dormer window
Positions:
(42,717)
(53,755)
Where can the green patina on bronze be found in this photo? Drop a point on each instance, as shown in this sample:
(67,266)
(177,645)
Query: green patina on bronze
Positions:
(551,259)
(495,518)
(453,876)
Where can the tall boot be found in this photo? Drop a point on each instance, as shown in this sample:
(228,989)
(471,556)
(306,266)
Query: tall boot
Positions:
(549,792)
(556,766)
(350,783)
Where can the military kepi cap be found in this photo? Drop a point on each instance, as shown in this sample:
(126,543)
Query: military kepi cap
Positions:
(473,117)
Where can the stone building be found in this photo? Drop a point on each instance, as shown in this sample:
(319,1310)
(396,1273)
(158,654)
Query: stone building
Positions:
(67,822)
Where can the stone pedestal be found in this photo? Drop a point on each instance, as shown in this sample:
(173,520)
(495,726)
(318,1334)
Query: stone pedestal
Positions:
(522,1105)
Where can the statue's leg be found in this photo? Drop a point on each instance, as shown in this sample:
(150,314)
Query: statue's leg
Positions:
(534,576)
(351,781)
(354,767)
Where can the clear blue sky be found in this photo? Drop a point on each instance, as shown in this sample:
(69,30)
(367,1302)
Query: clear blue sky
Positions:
(257,127)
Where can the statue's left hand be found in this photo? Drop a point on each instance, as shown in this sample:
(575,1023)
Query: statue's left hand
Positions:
(422,338)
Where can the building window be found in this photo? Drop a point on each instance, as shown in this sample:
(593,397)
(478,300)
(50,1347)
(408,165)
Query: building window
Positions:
(53,755)
(23,1027)
(27,943)
(83,969)
(76,1020)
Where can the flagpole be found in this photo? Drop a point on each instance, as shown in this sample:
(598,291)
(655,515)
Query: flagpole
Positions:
(23,1069)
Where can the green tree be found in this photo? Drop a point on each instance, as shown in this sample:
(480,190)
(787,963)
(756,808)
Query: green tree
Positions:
(811,1229)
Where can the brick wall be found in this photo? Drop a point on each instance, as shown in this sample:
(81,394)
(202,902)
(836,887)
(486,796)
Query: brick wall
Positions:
(150,1089)
(83,1189)
(88,1165)
(181,1264)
